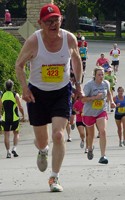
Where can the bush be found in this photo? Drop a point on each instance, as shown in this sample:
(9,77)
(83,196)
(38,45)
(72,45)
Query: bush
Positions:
(9,51)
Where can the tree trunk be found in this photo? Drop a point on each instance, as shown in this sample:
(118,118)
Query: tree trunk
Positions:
(118,26)
(71,22)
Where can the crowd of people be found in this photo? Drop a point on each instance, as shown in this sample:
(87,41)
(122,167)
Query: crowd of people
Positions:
(55,94)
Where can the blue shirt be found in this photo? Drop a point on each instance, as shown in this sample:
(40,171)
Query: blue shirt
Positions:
(82,52)
(121,109)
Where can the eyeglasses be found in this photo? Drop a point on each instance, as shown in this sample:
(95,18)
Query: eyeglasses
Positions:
(50,22)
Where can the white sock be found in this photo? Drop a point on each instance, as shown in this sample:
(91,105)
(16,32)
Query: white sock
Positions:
(14,148)
(8,151)
(53,174)
(45,149)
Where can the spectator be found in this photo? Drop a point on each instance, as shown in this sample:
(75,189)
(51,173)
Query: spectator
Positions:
(7,18)
(94,20)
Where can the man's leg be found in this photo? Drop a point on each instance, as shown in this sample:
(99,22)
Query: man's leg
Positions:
(15,138)
(42,136)
(6,139)
(15,142)
(41,142)
(58,151)
(7,143)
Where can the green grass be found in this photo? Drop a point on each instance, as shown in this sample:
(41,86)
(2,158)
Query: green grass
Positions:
(105,36)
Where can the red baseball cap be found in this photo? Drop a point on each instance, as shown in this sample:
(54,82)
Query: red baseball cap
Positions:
(49,11)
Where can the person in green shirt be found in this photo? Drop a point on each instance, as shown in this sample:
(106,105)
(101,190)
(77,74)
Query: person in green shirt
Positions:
(112,80)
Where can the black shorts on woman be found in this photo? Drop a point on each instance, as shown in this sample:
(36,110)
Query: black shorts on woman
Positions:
(119,117)
(49,104)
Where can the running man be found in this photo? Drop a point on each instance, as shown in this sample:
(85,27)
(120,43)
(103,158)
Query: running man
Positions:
(49,91)
(115,53)
(10,122)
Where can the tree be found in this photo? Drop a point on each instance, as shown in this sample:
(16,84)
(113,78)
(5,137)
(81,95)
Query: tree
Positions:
(114,6)
(9,51)
(69,10)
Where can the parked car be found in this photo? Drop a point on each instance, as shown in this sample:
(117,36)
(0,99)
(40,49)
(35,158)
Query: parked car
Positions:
(86,24)
(110,27)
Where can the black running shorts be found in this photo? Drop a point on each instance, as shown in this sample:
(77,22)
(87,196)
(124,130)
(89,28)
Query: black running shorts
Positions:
(115,62)
(49,104)
(80,124)
(14,126)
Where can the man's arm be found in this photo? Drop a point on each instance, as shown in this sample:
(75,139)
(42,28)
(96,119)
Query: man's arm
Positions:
(28,51)
(19,105)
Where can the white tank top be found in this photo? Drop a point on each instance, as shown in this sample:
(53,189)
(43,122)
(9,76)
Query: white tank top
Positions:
(48,70)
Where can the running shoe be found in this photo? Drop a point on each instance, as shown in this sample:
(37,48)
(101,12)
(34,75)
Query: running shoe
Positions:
(55,185)
(73,126)
(69,139)
(42,160)
(103,160)
(124,142)
(8,155)
(90,154)
(120,143)
(82,144)
(86,150)
(14,153)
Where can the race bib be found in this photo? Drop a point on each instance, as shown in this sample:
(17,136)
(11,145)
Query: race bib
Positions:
(52,74)
(81,112)
(82,55)
(115,56)
(121,109)
(97,104)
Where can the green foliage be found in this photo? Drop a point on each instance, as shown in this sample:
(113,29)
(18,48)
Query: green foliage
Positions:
(9,50)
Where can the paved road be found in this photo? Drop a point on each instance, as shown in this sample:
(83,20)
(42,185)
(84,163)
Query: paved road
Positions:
(82,179)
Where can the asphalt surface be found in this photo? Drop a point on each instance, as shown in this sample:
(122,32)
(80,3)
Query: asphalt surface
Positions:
(81,178)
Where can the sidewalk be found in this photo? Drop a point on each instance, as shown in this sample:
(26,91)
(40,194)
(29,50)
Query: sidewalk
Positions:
(81,178)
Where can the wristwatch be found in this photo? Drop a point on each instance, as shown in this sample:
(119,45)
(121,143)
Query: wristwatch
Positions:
(78,82)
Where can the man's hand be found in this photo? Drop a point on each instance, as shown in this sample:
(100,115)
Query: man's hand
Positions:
(79,94)
(28,96)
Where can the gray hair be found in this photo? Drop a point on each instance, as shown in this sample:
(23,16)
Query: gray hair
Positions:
(9,85)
